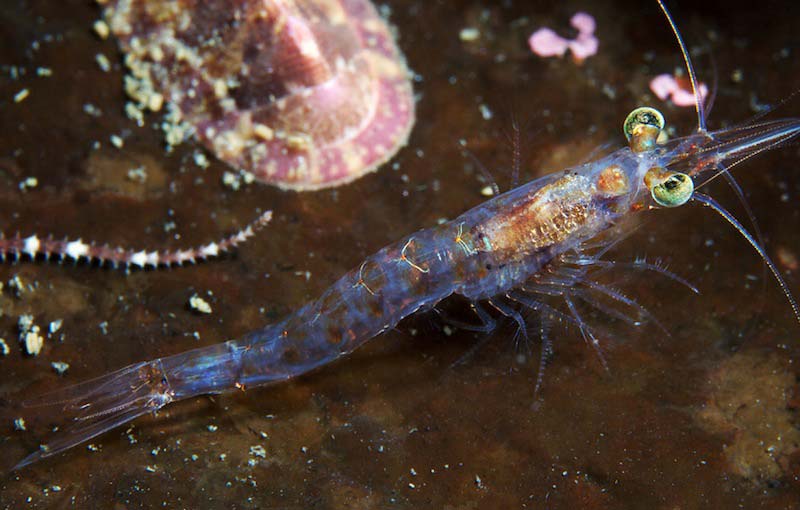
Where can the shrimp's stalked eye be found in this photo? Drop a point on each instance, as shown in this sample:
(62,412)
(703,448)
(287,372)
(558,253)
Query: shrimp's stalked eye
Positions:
(673,191)
(642,127)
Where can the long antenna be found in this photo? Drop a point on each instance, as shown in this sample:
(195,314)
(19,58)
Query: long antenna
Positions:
(710,202)
(698,102)
(699,107)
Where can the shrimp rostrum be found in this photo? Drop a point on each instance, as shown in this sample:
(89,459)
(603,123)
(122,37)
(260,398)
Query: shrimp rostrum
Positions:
(541,238)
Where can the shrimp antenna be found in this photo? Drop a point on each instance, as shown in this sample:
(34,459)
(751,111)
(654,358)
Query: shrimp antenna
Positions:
(698,103)
(710,202)
(699,107)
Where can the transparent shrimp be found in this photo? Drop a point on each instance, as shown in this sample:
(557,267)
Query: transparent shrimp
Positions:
(541,238)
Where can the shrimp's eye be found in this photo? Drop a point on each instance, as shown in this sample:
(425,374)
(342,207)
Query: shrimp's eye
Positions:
(642,127)
(644,115)
(675,190)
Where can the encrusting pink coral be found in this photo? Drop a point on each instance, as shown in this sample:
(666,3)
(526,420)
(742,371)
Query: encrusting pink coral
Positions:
(546,43)
(665,86)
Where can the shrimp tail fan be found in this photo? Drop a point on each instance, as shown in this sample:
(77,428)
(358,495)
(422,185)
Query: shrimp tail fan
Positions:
(93,407)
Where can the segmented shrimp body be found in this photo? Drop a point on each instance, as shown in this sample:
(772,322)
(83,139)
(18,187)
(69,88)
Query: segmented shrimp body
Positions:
(500,252)
(485,252)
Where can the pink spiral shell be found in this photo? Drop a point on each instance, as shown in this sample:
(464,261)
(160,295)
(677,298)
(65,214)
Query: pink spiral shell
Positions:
(304,94)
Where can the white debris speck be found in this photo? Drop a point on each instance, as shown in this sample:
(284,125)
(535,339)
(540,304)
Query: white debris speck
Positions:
(199,304)
(60,367)
(19,424)
(258,451)
(54,326)
(29,335)
(231,180)
(103,327)
(486,112)
(102,62)
(92,447)
(175,129)
(102,29)
(212,428)
(33,341)
(135,113)
(28,183)
(304,274)
(24,323)
(469,34)
(487,191)
(44,72)
(117,141)
(138,174)
(4,349)
(16,284)
(150,469)
(92,110)
(21,95)
(200,159)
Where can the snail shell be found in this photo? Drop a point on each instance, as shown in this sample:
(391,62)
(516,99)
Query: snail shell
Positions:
(304,94)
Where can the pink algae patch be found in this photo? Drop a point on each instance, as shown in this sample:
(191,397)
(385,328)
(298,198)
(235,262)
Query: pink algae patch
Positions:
(303,94)
(584,23)
(546,43)
(666,86)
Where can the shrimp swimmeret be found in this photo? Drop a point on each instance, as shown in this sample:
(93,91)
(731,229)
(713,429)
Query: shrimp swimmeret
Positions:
(544,237)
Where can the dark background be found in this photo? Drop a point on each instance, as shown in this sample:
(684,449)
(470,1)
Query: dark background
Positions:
(703,418)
